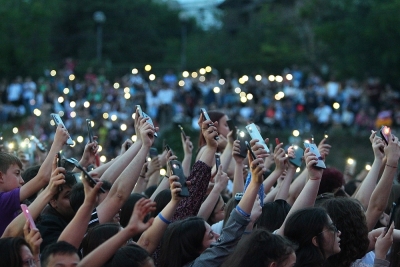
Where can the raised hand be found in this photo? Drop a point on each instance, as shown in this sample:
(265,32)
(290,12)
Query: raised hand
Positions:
(175,187)
(324,148)
(57,177)
(33,238)
(392,151)
(315,173)
(147,132)
(142,208)
(154,165)
(383,243)
(126,145)
(257,169)
(90,153)
(221,180)
(280,157)
(61,136)
(187,145)
(236,152)
(209,131)
(258,148)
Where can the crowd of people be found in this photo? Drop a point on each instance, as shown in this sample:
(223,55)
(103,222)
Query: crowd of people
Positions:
(237,205)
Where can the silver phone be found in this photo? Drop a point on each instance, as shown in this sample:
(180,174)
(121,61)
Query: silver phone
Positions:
(314,149)
(58,121)
(255,134)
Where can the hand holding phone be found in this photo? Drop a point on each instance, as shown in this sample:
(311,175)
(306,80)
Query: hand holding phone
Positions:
(58,121)
(385,134)
(144,115)
(182,131)
(28,216)
(90,132)
(242,137)
(217,160)
(176,168)
(87,176)
(255,134)
(314,149)
(298,155)
(251,151)
(392,214)
(232,128)
(206,117)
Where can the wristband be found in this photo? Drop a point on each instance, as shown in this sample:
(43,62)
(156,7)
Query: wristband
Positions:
(394,167)
(163,219)
(242,212)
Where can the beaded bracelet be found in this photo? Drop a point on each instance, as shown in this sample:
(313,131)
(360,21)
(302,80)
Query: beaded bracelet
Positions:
(395,167)
(163,219)
(242,212)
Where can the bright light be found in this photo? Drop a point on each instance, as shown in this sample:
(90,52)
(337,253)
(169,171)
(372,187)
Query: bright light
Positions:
(105,115)
(52,123)
(15,130)
(72,104)
(37,112)
(123,127)
(86,104)
(79,139)
(134,138)
(116,85)
(368,167)
(71,77)
(103,158)
(100,148)
(279,78)
(241,81)
(249,96)
(296,133)
(114,117)
(11,146)
(185,74)
(53,73)
(163,172)
(73,114)
(208,69)
(194,74)
(60,99)
(245,78)
(127,96)
(336,105)
(271,78)
(243,99)
(135,71)
(350,161)
(258,77)
(133,116)
(289,77)
(66,91)
(216,89)
(61,113)
(92,123)
(147,68)
(202,71)
(221,81)
(279,95)
(202,79)
(152,77)
(127,90)
(73,144)
(307,141)
(242,134)
(181,83)
(238,90)
(298,169)
(242,94)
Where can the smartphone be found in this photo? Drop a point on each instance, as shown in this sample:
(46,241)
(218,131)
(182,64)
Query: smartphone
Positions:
(312,139)
(255,134)
(298,153)
(206,117)
(242,137)
(238,196)
(232,128)
(89,128)
(217,160)
(326,135)
(314,149)
(59,164)
(92,181)
(251,151)
(57,120)
(384,133)
(39,144)
(391,218)
(176,168)
(28,216)
(352,166)
(153,152)
(182,131)
(168,149)
(144,115)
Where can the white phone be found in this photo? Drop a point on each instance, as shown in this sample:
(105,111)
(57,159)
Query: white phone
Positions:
(57,120)
(144,115)
(314,149)
(255,134)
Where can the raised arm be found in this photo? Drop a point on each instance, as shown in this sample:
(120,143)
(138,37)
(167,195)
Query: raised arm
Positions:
(89,155)
(238,180)
(283,191)
(280,159)
(164,184)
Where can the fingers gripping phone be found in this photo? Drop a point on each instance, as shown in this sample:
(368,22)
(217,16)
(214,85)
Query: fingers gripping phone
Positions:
(153,152)
(144,115)
(207,117)
(92,181)
(298,154)
(90,132)
(58,121)
(232,128)
(242,137)
(217,160)
(392,213)
(384,133)
(176,168)
(182,131)
(255,134)
(314,149)
(28,216)
(168,149)
(251,151)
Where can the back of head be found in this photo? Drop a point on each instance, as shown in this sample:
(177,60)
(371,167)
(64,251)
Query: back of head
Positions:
(230,205)
(10,248)
(182,242)
(273,215)
(162,199)
(127,208)
(131,255)
(59,248)
(6,160)
(331,180)
(77,195)
(273,248)
(97,236)
(27,175)
(301,227)
(348,216)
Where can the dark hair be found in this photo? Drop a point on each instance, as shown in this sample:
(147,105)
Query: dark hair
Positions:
(301,227)
(351,186)
(331,180)
(211,219)
(77,195)
(10,248)
(273,215)
(131,255)
(70,181)
(214,116)
(150,190)
(6,160)
(162,199)
(230,205)
(28,175)
(273,248)
(127,208)
(61,248)
(395,249)
(348,216)
(182,242)
(97,236)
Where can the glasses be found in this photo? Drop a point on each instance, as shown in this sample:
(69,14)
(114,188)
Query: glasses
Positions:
(30,263)
(332,228)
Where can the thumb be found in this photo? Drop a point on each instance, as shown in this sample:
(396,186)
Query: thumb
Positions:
(54,165)
(220,169)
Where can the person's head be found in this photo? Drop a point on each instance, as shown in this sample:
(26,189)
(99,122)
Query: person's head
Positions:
(131,255)
(28,174)
(351,186)
(315,234)
(127,208)
(60,201)
(273,215)
(98,235)
(15,251)
(77,195)
(218,213)
(230,205)
(223,128)
(348,215)
(150,190)
(332,179)
(10,172)
(190,237)
(162,199)
(276,251)
(59,254)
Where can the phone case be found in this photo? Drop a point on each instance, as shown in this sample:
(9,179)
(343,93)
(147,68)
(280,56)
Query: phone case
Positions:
(217,161)
(206,117)
(57,120)
(89,128)
(177,170)
(232,127)
(59,157)
(39,144)
(182,131)
(392,214)
(251,151)
(28,216)
(298,153)
(144,115)
(255,134)
(87,176)
(314,149)
(242,137)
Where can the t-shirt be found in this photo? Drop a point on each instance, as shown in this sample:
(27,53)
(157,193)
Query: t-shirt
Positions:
(9,208)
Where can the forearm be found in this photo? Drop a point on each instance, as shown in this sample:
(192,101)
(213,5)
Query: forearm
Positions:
(368,185)
(186,164)
(162,186)
(208,205)
(247,201)
(238,181)
(271,179)
(283,191)
(102,168)
(154,178)
(296,187)
(76,229)
(141,185)
(226,157)
(208,155)
(271,195)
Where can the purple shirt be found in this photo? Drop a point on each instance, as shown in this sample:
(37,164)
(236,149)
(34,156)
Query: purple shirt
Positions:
(9,208)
